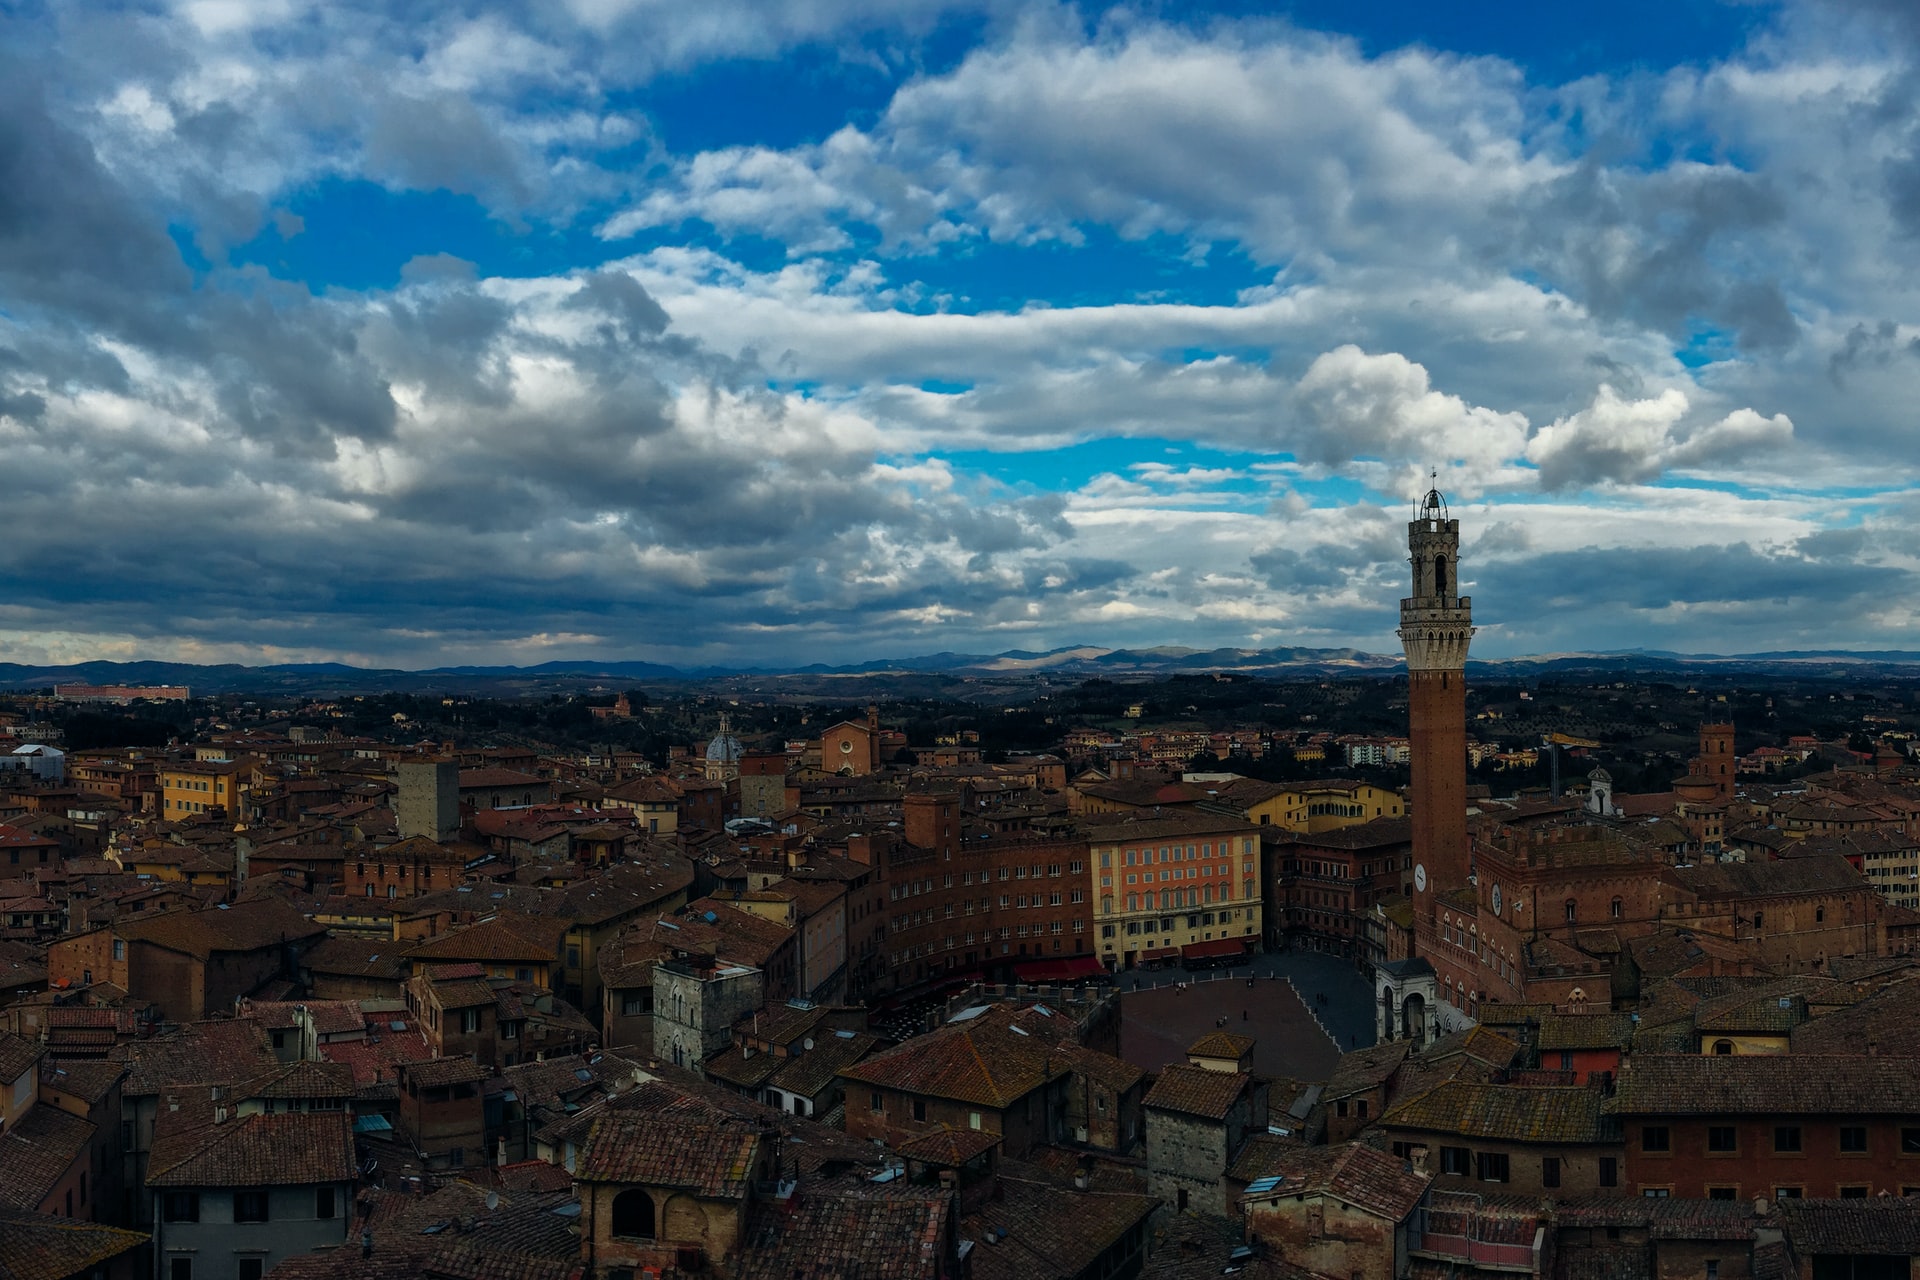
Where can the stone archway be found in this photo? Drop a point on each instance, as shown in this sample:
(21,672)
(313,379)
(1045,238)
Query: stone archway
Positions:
(1413,1017)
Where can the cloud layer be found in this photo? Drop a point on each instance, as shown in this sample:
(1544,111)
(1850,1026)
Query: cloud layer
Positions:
(1086,328)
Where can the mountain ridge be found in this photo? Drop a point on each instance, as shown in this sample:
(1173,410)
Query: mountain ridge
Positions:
(1082,661)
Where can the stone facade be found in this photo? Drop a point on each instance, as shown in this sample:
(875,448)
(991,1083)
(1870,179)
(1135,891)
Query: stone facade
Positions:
(695,1005)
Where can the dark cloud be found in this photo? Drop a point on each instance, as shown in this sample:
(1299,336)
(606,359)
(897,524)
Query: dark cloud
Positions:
(1598,580)
(1672,248)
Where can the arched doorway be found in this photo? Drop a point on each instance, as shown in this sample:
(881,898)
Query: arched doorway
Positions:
(1413,1018)
(633,1215)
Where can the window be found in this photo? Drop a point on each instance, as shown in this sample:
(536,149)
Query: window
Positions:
(1786,1137)
(1609,1171)
(180,1206)
(1720,1137)
(1655,1137)
(1455,1160)
(633,1215)
(1853,1137)
(323,1206)
(1550,1171)
(249,1206)
(1492,1166)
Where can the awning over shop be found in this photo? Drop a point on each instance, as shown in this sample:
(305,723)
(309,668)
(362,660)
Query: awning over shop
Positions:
(1062,970)
(1216,947)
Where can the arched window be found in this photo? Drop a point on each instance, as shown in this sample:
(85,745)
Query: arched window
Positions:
(633,1215)
(1723,1048)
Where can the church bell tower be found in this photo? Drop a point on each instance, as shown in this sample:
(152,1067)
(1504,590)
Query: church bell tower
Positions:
(1436,626)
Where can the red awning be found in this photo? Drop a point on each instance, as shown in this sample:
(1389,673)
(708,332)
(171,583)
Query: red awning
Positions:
(1217,947)
(1059,970)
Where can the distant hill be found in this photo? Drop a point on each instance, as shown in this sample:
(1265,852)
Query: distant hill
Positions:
(1081,661)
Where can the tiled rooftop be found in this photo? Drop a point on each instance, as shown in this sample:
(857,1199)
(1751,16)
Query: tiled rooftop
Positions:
(1197,1091)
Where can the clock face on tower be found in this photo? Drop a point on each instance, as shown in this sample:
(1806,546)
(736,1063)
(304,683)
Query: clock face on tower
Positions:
(1420,876)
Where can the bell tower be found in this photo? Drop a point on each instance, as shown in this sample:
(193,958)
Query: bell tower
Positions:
(1436,626)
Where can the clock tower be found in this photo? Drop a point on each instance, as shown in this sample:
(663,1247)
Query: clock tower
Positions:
(1436,626)
(1415,1001)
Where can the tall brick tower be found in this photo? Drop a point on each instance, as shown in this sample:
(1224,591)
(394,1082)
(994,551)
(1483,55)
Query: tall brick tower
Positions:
(1436,625)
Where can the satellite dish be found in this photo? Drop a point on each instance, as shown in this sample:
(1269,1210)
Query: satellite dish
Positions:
(493,1200)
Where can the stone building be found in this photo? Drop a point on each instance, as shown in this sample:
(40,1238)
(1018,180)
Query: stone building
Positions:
(696,1001)
(1197,1122)
(1340,1210)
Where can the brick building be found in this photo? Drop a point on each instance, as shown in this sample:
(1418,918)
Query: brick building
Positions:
(1775,1126)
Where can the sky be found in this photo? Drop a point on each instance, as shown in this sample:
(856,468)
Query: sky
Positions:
(769,332)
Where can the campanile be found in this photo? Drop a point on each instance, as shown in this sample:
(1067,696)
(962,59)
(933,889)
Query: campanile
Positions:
(1436,626)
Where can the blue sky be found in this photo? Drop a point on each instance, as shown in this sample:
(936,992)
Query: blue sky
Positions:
(828,329)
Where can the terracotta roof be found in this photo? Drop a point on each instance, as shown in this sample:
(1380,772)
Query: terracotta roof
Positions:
(304,1080)
(1884,1225)
(1365,1069)
(245,926)
(1052,1229)
(1197,1091)
(809,1073)
(948,1148)
(435,1072)
(981,1060)
(1585,1031)
(895,1233)
(504,938)
(713,1158)
(1355,1174)
(17,1056)
(290,1149)
(1221,1044)
(627,962)
(88,1078)
(38,1150)
(1259,1156)
(201,1053)
(1506,1113)
(36,1246)
(1817,874)
(1784,1084)
(1479,1043)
